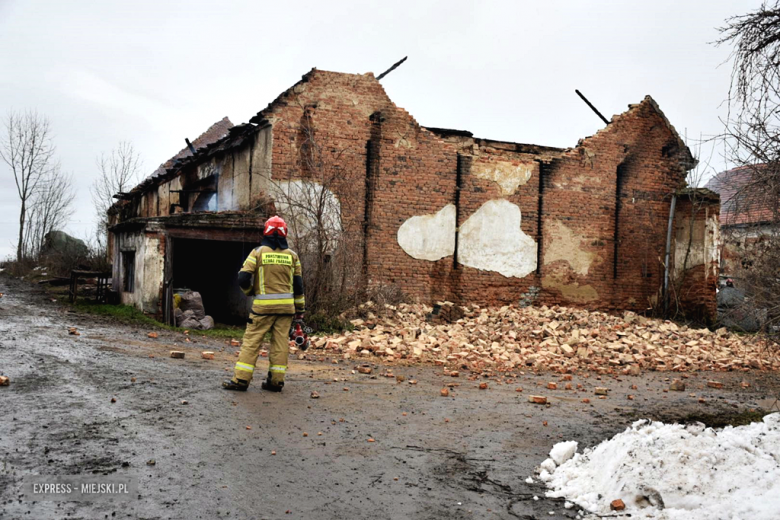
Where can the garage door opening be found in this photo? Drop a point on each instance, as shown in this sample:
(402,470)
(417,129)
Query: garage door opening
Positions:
(211,267)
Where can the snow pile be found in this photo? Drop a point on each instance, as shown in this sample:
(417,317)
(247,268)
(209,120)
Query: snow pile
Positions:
(674,472)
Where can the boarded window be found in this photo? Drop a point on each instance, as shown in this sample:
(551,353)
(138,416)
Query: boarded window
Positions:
(128,271)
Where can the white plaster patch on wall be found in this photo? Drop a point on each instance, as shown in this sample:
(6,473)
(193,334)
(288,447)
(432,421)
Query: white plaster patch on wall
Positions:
(429,237)
(307,206)
(565,245)
(492,240)
(508,176)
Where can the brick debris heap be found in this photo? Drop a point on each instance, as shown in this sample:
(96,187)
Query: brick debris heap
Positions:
(558,339)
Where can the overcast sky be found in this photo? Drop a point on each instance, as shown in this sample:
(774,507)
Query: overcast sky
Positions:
(155,72)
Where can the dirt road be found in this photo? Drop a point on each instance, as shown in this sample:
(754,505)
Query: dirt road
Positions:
(464,456)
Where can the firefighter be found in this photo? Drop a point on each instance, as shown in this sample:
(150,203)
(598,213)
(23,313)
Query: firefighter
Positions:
(272,274)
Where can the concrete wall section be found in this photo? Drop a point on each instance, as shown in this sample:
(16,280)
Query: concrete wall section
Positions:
(149,251)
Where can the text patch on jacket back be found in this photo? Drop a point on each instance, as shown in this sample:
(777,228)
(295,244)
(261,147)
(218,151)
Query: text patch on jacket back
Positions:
(277,259)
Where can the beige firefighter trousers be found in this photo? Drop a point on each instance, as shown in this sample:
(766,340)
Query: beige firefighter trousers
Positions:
(279,325)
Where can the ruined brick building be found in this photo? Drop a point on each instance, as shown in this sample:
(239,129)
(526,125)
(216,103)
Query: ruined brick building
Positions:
(439,213)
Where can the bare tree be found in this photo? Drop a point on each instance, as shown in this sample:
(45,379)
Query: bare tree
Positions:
(27,149)
(119,171)
(50,209)
(752,138)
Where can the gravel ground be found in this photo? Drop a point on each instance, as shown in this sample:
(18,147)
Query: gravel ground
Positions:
(462,456)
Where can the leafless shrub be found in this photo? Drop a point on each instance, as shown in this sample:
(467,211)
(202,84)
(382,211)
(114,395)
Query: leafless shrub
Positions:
(378,301)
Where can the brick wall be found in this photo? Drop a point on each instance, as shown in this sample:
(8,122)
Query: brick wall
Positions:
(597,212)
(613,194)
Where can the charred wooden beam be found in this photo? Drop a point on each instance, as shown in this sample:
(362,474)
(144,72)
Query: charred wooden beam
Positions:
(391,69)
(606,122)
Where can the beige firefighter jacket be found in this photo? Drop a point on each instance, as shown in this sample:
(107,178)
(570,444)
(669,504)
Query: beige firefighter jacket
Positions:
(273,271)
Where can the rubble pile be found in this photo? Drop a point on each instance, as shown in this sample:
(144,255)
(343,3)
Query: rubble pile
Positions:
(547,338)
(190,313)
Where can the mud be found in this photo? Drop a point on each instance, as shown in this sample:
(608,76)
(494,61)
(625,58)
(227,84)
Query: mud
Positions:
(465,456)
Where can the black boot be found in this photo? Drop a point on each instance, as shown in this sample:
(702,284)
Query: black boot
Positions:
(268,385)
(239,386)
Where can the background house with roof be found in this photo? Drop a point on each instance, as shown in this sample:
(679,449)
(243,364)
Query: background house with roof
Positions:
(749,214)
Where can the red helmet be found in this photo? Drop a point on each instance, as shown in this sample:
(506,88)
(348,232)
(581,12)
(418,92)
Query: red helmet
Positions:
(275,226)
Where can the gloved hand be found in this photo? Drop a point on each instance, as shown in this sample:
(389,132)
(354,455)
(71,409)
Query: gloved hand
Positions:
(298,316)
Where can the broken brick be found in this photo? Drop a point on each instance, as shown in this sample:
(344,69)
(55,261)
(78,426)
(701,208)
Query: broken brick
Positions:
(677,385)
(177,354)
(207,355)
(642,344)
(4,381)
(617,505)
(715,384)
(537,399)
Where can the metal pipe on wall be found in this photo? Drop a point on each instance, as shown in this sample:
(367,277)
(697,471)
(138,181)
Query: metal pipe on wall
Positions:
(666,256)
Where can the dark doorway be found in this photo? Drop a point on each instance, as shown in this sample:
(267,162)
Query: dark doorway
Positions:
(211,267)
